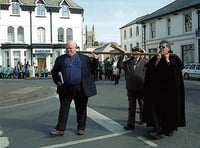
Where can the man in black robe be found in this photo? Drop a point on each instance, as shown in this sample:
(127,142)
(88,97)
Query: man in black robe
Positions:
(164,102)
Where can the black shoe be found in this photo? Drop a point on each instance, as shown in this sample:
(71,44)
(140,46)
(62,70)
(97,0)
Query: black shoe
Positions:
(141,123)
(156,135)
(170,133)
(129,127)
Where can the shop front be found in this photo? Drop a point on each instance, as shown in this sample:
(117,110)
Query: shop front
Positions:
(42,58)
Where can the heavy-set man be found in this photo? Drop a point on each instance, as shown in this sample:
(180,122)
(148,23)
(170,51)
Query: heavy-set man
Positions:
(73,75)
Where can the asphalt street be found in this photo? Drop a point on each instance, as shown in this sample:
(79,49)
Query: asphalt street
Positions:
(25,120)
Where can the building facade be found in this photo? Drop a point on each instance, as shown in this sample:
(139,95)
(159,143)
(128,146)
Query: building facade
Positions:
(36,31)
(179,23)
(131,34)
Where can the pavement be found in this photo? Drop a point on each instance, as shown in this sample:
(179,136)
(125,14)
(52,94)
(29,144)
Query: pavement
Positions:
(18,91)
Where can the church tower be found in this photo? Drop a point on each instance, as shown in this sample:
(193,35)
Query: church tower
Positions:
(90,37)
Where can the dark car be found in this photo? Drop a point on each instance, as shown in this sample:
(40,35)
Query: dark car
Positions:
(191,70)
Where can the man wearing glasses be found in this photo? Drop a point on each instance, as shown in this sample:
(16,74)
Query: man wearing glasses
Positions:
(164,101)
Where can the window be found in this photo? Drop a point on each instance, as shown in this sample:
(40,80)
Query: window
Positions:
(40,9)
(124,34)
(20,34)
(130,32)
(125,47)
(137,31)
(137,44)
(192,67)
(41,35)
(198,67)
(15,8)
(60,35)
(69,34)
(16,56)
(153,30)
(7,61)
(11,34)
(168,26)
(131,46)
(188,22)
(188,53)
(65,11)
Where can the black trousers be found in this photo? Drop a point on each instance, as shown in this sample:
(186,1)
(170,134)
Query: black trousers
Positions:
(77,94)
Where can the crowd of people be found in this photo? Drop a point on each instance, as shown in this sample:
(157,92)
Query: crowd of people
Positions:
(155,83)
(22,71)
(108,69)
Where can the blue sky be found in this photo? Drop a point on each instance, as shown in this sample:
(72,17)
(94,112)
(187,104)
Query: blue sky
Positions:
(109,15)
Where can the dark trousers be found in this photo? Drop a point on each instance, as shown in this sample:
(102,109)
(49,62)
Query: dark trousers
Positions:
(116,79)
(132,97)
(75,93)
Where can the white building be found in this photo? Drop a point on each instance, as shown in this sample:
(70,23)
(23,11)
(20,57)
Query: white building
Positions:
(131,34)
(179,23)
(37,30)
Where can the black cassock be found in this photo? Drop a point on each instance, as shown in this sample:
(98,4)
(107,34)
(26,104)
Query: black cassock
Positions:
(164,91)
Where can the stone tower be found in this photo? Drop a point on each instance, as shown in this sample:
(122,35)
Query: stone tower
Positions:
(90,37)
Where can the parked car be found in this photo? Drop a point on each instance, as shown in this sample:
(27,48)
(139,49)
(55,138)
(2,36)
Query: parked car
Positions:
(191,70)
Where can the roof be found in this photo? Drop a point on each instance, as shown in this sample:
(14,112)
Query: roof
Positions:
(135,21)
(49,3)
(110,47)
(174,7)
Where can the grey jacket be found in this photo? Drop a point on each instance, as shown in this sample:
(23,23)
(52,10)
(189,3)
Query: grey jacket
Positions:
(134,74)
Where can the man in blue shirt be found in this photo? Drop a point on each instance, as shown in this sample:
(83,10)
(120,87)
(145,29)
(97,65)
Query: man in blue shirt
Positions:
(73,75)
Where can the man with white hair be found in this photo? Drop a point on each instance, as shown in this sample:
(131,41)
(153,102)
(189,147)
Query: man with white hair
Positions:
(73,75)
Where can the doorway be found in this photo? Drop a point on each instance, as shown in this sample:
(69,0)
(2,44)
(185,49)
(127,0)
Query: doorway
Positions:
(41,63)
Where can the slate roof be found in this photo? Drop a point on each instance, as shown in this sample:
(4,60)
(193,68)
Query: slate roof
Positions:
(171,8)
(135,21)
(49,3)
(174,7)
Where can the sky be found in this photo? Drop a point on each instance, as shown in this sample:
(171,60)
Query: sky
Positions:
(108,16)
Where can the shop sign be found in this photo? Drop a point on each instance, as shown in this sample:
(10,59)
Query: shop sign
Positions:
(42,51)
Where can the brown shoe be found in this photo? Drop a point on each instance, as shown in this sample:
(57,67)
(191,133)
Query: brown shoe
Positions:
(80,132)
(56,132)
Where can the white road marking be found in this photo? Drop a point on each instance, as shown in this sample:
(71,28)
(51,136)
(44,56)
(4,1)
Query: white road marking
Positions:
(104,121)
(147,141)
(86,140)
(34,101)
(25,90)
(4,142)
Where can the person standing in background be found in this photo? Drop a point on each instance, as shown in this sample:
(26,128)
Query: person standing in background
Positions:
(19,69)
(115,70)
